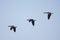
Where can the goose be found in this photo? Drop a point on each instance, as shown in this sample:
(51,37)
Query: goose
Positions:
(32,21)
(49,14)
(13,27)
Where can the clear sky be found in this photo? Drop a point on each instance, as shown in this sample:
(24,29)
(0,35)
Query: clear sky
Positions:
(16,12)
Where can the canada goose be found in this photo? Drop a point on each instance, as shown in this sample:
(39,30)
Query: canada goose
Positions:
(32,21)
(49,14)
(13,27)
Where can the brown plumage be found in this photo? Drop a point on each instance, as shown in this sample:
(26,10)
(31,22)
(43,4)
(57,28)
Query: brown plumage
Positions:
(32,21)
(13,28)
(49,14)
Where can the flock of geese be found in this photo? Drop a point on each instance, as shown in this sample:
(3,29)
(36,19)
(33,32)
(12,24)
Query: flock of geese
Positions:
(12,27)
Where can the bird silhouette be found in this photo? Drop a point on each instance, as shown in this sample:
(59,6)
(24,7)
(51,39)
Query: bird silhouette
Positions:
(32,21)
(13,27)
(49,14)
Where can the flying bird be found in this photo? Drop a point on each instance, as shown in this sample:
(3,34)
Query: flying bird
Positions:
(49,14)
(13,28)
(32,21)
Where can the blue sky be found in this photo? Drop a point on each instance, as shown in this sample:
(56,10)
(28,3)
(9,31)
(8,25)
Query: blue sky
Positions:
(16,12)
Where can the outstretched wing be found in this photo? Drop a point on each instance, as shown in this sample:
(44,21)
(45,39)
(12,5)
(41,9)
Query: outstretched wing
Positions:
(45,12)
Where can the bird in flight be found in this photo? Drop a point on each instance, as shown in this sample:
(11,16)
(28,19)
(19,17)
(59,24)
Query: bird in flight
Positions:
(13,28)
(49,14)
(32,21)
